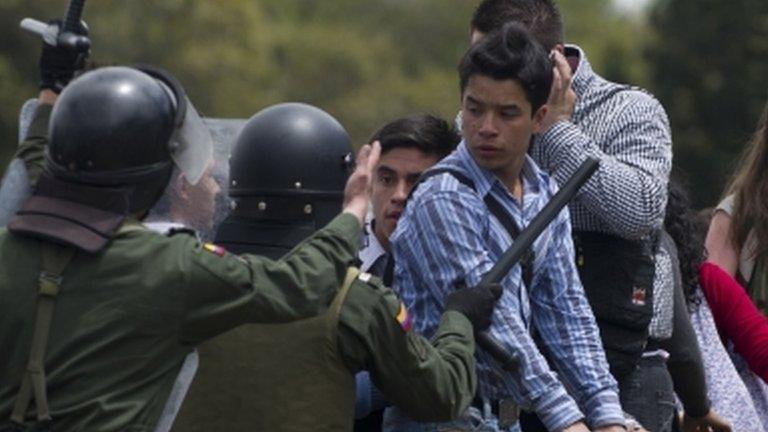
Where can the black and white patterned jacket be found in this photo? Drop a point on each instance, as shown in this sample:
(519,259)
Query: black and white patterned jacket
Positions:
(628,130)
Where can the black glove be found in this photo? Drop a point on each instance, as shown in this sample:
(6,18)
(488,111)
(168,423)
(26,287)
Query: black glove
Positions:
(58,64)
(475,303)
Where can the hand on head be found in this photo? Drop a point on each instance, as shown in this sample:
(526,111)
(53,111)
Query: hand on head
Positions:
(562,98)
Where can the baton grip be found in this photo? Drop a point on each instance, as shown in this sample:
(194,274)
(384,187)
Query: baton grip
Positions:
(34,26)
(73,41)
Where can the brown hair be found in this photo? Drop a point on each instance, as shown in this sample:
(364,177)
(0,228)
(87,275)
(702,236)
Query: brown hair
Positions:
(749,186)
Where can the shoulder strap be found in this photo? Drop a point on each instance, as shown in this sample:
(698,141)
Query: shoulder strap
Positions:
(55,259)
(338,301)
(496,209)
(466,181)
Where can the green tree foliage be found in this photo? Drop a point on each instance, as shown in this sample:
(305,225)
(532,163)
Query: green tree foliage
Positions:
(365,62)
(709,67)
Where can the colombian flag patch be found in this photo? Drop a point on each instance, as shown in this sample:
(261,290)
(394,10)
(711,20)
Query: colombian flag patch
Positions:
(216,250)
(404,318)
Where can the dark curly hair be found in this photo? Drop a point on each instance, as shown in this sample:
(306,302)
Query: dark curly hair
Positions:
(510,53)
(680,223)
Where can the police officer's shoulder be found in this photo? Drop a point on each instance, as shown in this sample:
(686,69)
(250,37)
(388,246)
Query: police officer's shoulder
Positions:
(367,296)
(373,288)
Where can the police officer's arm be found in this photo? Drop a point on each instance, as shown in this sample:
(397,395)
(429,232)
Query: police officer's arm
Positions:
(430,382)
(32,150)
(56,67)
(223,291)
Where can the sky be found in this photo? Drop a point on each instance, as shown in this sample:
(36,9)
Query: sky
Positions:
(631,6)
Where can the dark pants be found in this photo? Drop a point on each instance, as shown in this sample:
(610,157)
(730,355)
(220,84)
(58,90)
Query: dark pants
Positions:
(370,423)
(646,394)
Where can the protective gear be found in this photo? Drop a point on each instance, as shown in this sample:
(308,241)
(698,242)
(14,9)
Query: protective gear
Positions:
(58,64)
(15,187)
(287,175)
(475,303)
(121,127)
(14,190)
(26,113)
(113,134)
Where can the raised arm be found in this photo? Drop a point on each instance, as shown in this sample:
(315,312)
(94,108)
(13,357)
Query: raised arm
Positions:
(222,291)
(628,192)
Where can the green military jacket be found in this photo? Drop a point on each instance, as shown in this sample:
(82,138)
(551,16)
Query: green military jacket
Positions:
(126,317)
(300,376)
(432,381)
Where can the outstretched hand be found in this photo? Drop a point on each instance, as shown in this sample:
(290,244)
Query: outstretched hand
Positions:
(357,192)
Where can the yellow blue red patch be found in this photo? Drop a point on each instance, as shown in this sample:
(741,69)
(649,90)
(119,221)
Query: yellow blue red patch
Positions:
(404,318)
(214,249)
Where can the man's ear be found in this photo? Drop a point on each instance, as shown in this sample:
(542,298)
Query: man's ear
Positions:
(475,36)
(538,118)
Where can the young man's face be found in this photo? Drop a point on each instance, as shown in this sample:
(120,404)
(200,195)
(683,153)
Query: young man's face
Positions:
(497,123)
(395,176)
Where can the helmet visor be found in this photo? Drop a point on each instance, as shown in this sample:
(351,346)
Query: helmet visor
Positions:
(192,145)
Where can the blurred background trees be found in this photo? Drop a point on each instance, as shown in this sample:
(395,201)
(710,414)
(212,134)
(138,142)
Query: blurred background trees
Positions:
(367,62)
(709,67)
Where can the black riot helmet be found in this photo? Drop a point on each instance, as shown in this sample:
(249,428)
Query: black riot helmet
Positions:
(115,135)
(120,127)
(287,174)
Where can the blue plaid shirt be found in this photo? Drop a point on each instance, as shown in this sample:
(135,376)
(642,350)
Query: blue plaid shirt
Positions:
(447,238)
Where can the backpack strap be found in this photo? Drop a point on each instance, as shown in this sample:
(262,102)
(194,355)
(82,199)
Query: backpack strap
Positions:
(496,209)
(55,259)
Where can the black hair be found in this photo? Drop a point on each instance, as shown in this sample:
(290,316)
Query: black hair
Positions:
(680,223)
(429,134)
(510,53)
(540,17)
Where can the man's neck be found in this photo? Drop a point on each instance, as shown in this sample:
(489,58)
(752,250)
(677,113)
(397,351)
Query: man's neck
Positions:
(512,178)
(380,236)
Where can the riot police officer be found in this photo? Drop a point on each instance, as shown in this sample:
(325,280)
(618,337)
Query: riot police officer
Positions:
(287,171)
(97,313)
